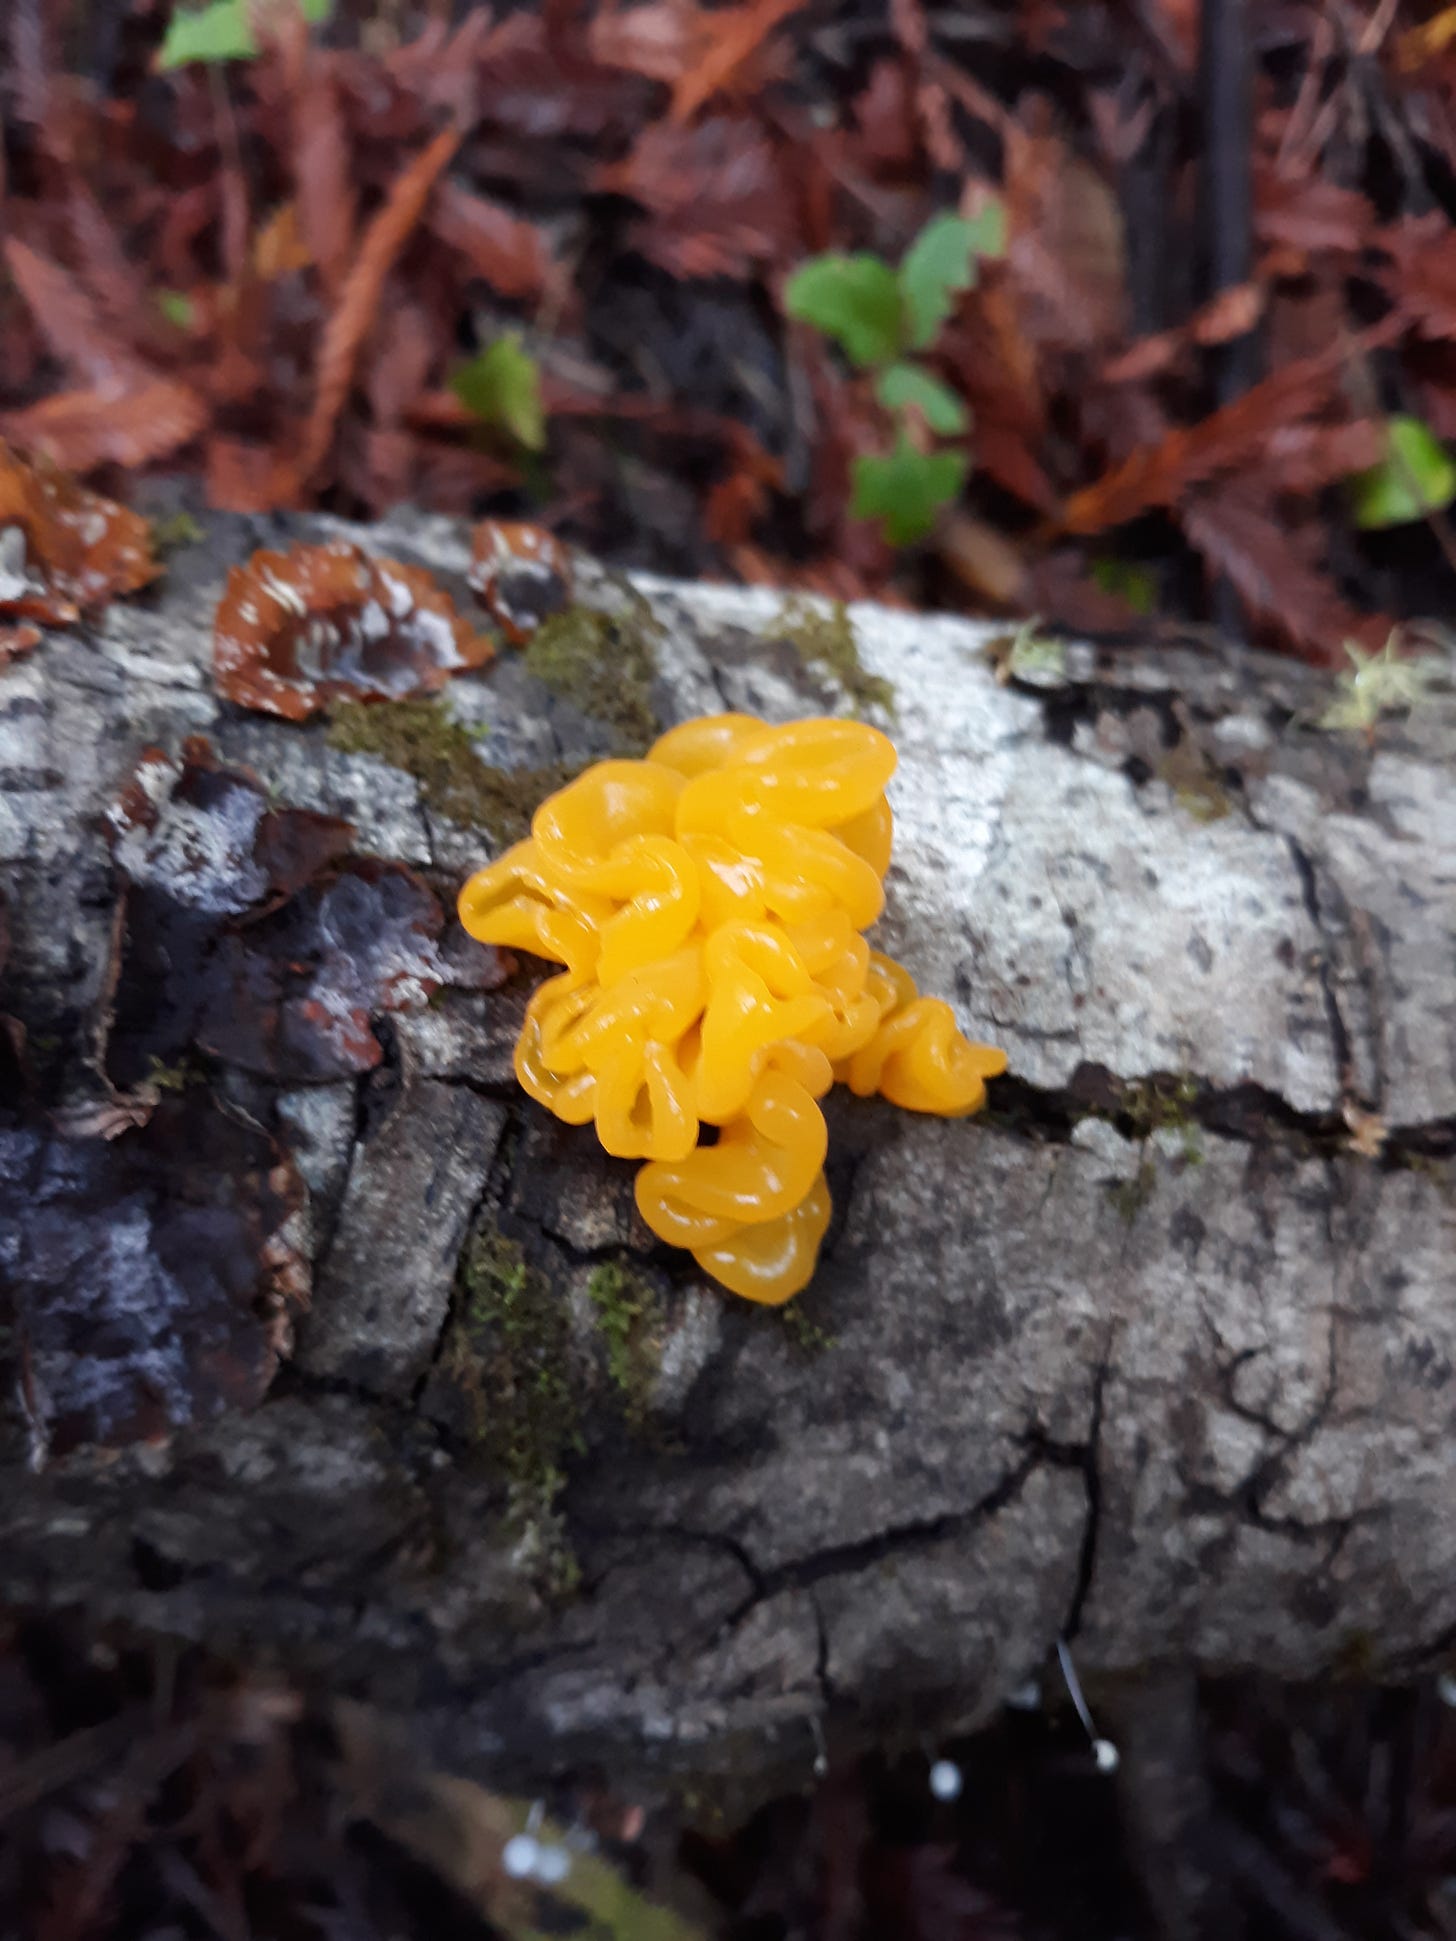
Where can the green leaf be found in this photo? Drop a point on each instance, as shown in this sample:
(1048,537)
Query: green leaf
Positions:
(988,229)
(905,488)
(853,299)
(1415,477)
(220,32)
(941,262)
(904,385)
(503,388)
(177,307)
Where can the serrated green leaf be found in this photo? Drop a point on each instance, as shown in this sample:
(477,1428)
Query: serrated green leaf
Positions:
(941,262)
(1415,477)
(905,385)
(220,32)
(853,299)
(905,488)
(502,387)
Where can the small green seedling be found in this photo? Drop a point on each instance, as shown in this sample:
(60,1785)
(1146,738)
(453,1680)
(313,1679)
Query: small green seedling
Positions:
(877,316)
(502,387)
(223,31)
(1415,478)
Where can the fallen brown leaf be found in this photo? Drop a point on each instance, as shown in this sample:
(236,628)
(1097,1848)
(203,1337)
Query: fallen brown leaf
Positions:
(354,315)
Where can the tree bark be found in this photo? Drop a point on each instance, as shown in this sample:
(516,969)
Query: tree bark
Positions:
(1156,1355)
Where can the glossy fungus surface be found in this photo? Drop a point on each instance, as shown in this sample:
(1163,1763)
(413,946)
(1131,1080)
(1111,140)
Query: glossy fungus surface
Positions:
(708,904)
(297,630)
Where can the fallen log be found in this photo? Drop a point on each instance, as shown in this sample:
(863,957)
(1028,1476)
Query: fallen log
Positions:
(324,1346)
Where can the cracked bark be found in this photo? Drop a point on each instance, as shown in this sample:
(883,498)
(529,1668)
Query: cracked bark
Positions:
(1165,1366)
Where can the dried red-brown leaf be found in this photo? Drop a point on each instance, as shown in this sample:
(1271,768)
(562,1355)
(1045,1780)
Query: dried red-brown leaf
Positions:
(1422,277)
(1274,568)
(64,549)
(1302,459)
(1231,313)
(509,254)
(994,368)
(657,39)
(1066,258)
(152,1277)
(323,170)
(716,192)
(79,430)
(884,116)
(402,354)
(1157,475)
(246,933)
(354,315)
(735,42)
(74,330)
(545,92)
(297,630)
(244,477)
(1308,217)
(522,574)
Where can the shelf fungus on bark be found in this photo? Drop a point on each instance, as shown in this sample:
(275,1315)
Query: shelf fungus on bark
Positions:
(522,574)
(316,624)
(708,905)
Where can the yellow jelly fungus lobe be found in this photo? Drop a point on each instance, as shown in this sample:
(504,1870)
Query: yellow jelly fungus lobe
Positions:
(708,904)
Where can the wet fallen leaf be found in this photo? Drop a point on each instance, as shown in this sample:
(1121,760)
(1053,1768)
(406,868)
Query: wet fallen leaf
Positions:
(79,430)
(354,315)
(715,194)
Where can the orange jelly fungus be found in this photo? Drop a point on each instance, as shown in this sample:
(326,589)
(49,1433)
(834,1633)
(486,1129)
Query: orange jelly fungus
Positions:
(707,905)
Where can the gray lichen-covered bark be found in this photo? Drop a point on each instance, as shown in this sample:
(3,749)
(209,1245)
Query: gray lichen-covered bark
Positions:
(1156,1355)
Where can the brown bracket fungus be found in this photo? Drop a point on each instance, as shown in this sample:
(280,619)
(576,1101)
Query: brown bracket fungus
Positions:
(316,624)
(522,574)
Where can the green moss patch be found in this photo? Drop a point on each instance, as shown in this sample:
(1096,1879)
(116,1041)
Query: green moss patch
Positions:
(604,664)
(1159,1104)
(509,1351)
(629,1314)
(425,741)
(826,640)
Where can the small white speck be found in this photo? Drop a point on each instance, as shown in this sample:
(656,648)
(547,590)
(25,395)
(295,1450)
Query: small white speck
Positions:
(1025,1698)
(520,1856)
(1446,1688)
(1107,1755)
(553,1864)
(945,1779)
